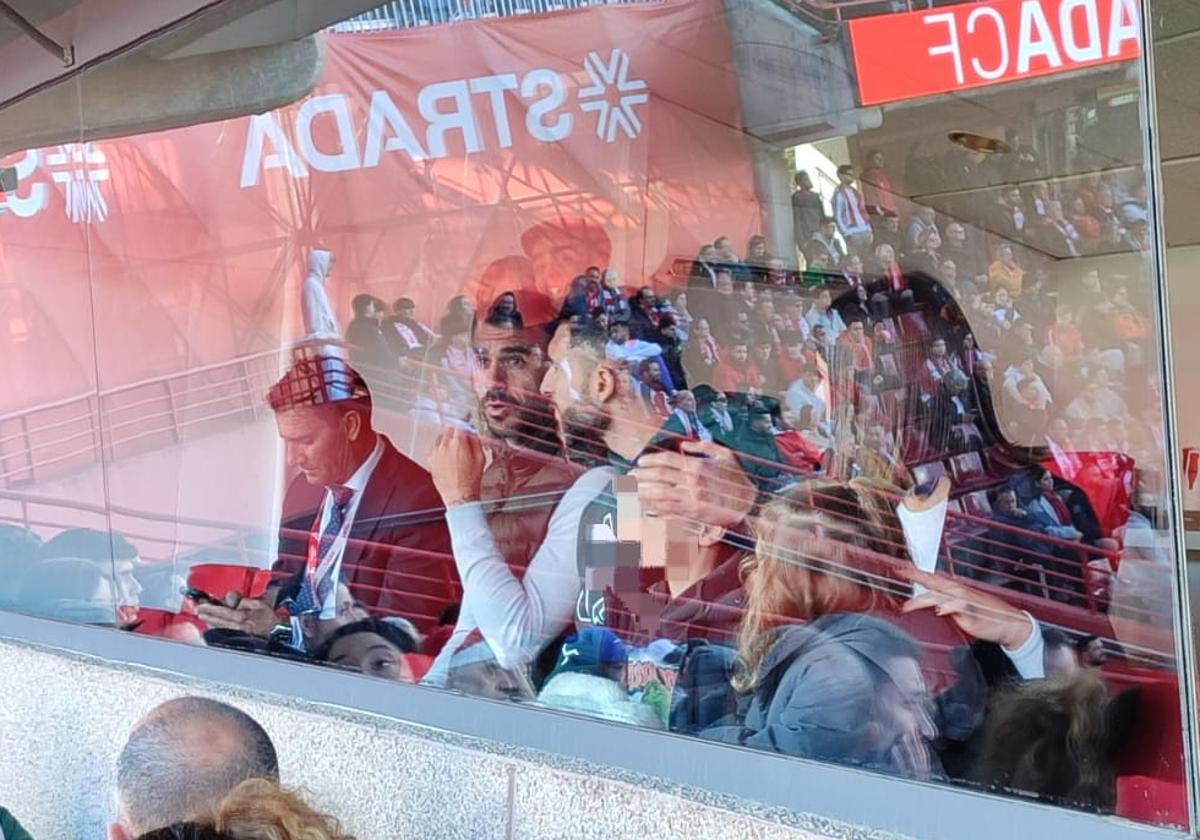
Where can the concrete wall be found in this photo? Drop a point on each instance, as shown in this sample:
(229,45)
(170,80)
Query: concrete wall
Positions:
(64,718)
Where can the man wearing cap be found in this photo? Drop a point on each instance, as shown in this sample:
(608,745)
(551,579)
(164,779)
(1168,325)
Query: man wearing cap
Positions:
(359,512)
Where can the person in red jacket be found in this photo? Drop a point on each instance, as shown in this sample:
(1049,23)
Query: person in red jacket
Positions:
(735,373)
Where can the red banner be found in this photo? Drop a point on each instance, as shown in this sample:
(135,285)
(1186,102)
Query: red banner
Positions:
(469,158)
(970,45)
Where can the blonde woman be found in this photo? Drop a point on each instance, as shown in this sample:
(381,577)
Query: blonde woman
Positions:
(824,667)
(257,809)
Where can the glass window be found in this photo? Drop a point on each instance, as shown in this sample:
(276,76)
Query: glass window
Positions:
(782,375)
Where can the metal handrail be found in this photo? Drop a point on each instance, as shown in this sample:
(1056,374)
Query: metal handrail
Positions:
(411,14)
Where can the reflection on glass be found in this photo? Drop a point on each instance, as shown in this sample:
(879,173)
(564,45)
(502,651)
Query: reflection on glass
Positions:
(473,384)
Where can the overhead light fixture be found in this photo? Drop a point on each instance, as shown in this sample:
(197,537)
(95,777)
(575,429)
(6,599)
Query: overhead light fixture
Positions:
(979,143)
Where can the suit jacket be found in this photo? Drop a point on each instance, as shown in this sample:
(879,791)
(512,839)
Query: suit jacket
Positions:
(397,559)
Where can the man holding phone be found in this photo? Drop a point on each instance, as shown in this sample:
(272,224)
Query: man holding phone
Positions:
(358,512)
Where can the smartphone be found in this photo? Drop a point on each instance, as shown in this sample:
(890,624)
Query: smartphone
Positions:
(199,596)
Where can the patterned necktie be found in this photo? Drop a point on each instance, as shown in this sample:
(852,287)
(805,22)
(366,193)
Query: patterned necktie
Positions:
(337,518)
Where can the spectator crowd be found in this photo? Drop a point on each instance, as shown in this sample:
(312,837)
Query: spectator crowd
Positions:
(806,498)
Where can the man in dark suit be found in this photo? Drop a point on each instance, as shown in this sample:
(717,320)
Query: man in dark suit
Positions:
(359,513)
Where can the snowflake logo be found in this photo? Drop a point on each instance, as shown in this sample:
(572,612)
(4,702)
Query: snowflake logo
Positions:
(594,97)
(85,168)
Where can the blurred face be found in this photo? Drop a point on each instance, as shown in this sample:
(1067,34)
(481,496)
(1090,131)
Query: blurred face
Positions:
(938,348)
(776,267)
(720,403)
(708,253)
(766,310)
(1006,502)
(903,717)
(876,159)
(739,353)
(318,442)
(968,342)
(652,372)
(854,264)
(724,283)
(724,249)
(1060,662)
(748,291)
(681,301)
(926,215)
(506,382)
(702,329)
(1046,482)
(619,333)
(856,331)
(1005,254)
(758,248)
(372,655)
(828,229)
(760,423)
(506,305)
(875,437)
(846,176)
(1094,653)
(885,254)
(567,385)
(1014,197)
(648,299)
(933,241)
(1002,297)
(948,271)
(956,234)
(593,274)
(762,353)
(823,300)
(407,313)
(685,400)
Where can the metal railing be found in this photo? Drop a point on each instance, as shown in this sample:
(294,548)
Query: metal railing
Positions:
(408,14)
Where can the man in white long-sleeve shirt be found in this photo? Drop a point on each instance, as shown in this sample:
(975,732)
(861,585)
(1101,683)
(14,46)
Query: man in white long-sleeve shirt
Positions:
(519,616)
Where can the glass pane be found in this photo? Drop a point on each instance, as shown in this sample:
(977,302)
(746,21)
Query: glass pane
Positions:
(780,374)
(59,550)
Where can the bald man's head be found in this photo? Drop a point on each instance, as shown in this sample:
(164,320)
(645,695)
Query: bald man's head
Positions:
(183,758)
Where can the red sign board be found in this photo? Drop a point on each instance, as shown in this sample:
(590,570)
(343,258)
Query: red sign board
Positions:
(970,45)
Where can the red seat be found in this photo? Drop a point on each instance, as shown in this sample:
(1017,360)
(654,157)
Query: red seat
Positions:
(913,326)
(152,622)
(967,468)
(219,579)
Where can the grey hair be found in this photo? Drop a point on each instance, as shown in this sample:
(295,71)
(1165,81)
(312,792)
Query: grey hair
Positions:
(184,757)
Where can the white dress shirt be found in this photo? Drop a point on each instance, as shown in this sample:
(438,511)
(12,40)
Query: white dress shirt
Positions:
(332,563)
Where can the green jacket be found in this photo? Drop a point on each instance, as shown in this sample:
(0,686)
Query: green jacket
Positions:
(10,829)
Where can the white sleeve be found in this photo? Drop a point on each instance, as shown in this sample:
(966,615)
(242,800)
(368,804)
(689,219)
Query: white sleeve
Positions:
(517,617)
(1029,658)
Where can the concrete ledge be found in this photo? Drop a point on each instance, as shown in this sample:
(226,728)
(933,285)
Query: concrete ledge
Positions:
(371,749)
(140,94)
